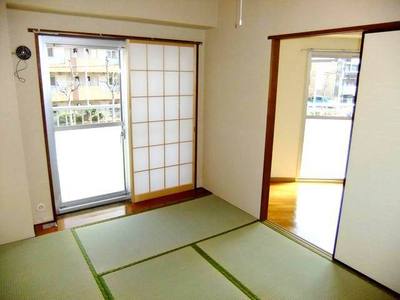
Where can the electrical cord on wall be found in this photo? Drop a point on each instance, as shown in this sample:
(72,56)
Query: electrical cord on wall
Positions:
(18,69)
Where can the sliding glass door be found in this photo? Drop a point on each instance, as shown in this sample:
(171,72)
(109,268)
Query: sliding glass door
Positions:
(328,114)
(162,88)
(84,107)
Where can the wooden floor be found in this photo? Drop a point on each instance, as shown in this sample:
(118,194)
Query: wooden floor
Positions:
(110,211)
(309,210)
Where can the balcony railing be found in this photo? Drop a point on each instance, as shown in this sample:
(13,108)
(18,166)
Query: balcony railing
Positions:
(86,114)
(340,110)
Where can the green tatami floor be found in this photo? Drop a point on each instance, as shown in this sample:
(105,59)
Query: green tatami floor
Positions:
(200,249)
(274,267)
(182,274)
(131,239)
(46,267)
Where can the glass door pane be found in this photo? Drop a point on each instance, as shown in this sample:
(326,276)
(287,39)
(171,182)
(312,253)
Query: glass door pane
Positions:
(329,112)
(82,89)
(162,81)
(90,162)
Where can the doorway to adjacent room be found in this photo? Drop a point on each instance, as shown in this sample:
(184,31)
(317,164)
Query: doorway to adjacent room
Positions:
(314,111)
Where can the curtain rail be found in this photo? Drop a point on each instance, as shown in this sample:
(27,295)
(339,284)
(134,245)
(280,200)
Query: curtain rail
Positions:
(106,35)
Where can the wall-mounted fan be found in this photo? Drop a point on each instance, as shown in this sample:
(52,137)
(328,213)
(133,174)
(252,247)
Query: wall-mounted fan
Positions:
(23,53)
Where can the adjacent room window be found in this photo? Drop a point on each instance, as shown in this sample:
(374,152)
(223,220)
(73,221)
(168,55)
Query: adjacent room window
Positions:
(332,84)
(52,80)
(50,52)
(163,100)
(329,110)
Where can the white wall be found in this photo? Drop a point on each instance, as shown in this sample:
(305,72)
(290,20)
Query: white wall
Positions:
(15,209)
(196,13)
(237,72)
(368,238)
(28,92)
(289,115)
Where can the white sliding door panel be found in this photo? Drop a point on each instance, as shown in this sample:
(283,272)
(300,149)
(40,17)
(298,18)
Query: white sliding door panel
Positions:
(171,58)
(172,176)
(171,83)
(139,83)
(156,111)
(139,114)
(141,158)
(141,182)
(155,57)
(162,113)
(171,108)
(138,57)
(155,83)
(368,238)
(140,135)
(186,58)
(186,83)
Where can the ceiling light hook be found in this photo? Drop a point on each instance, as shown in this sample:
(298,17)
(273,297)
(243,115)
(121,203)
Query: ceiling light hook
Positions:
(239,13)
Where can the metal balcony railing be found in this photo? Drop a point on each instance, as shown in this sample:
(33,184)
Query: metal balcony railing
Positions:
(65,116)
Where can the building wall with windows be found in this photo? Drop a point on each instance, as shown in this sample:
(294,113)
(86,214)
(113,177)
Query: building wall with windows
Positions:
(85,85)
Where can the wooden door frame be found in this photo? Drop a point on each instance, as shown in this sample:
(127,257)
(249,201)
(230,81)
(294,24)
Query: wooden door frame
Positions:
(273,87)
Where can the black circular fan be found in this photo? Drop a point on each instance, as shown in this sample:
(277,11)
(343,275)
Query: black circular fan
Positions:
(23,52)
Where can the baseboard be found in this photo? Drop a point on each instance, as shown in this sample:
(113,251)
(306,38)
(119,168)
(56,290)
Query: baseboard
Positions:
(295,179)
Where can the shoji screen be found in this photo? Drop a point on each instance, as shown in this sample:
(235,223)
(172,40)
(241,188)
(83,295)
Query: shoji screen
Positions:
(369,237)
(162,78)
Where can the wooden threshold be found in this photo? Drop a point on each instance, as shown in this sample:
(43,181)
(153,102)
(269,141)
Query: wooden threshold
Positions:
(282,179)
(111,211)
(162,193)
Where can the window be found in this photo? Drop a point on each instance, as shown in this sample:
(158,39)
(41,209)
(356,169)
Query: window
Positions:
(330,105)
(83,123)
(74,53)
(332,84)
(52,80)
(112,54)
(50,52)
(94,80)
(111,79)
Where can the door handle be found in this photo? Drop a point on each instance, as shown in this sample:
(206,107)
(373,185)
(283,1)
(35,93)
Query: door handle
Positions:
(123,134)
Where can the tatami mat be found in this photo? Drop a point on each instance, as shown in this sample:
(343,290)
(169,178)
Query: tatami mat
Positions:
(274,267)
(47,267)
(127,240)
(182,274)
